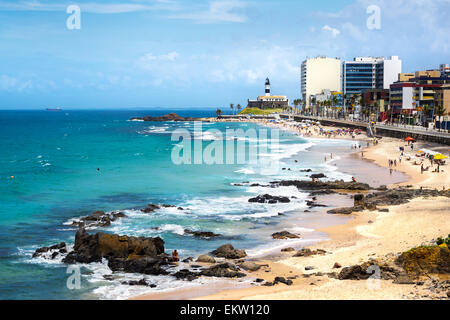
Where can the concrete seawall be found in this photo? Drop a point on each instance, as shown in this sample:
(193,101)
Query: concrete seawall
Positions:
(385,131)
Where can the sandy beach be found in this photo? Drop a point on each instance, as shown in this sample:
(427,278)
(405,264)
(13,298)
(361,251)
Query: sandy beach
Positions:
(366,234)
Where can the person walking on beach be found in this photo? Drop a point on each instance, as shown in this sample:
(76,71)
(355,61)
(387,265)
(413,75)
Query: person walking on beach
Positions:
(390,171)
(421,168)
(395,162)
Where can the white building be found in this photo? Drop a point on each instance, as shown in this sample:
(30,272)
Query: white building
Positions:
(319,74)
(369,73)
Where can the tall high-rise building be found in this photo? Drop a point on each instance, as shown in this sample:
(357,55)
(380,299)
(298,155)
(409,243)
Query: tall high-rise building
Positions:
(319,74)
(369,73)
(445,70)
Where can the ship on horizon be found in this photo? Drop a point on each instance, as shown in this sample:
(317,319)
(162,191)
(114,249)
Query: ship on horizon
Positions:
(53,109)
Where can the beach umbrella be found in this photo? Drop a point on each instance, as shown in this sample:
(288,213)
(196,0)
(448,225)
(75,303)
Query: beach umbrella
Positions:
(439,156)
(429,151)
(410,139)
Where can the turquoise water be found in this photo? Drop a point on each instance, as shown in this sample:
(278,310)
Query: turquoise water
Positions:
(54,156)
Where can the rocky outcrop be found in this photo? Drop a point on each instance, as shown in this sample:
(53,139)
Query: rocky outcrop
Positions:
(227,251)
(92,248)
(426,260)
(285,235)
(168,117)
(266,198)
(52,251)
(391,197)
(319,185)
(141,282)
(202,234)
(98,219)
(151,266)
(224,270)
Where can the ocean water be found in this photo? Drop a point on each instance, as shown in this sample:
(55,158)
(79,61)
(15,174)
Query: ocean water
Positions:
(54,156)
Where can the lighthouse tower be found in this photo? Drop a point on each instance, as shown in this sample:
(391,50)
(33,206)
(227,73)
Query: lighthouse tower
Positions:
(267,87)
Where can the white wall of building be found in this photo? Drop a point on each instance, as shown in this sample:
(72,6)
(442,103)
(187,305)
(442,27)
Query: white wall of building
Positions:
(408,98)
(318,74)
(392,68)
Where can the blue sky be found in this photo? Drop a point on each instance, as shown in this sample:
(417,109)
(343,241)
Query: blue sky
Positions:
(205,53)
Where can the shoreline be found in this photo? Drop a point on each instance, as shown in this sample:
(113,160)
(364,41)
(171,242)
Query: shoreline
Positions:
(349,234)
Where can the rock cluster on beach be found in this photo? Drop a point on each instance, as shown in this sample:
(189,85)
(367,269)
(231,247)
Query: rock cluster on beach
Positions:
(391,197)
(168,117)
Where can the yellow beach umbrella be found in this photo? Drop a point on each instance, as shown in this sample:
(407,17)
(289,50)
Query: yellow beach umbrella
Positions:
(439,156)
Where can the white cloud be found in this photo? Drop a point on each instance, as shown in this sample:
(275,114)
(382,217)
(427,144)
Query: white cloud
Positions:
(90,7)
(218,11)
(334,32)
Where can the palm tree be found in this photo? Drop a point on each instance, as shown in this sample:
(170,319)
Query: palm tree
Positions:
(231,107)
(440,112)
(335,102)
(219,112)
(239,107)
(425,112)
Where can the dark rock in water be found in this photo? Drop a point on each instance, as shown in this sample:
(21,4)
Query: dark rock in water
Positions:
(57,248)
(186,274)
(202,234)
(259,280)
(312,204)
(141,282)
(306,170)
(150,208)
(309,268)
(268,284)
(98,219)
(224,270)
(189,259)
(266,198)
(282,280)
(287,250)
(92,248)
(143,265)
(229,252)
(319,185)
(317,176)
(285,235)
(168,117)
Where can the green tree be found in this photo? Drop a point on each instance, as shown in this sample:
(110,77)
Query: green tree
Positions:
(231,107)
(218,112)
(239,107)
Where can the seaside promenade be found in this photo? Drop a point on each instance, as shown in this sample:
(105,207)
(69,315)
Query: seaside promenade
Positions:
(419,133)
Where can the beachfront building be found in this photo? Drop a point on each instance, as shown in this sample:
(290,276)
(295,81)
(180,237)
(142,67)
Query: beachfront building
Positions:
(268,101)
(319,74)
(420,95)
(445,70)
(376,103)
(369,73)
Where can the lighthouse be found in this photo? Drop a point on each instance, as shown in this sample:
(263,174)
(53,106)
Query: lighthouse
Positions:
(267,87)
